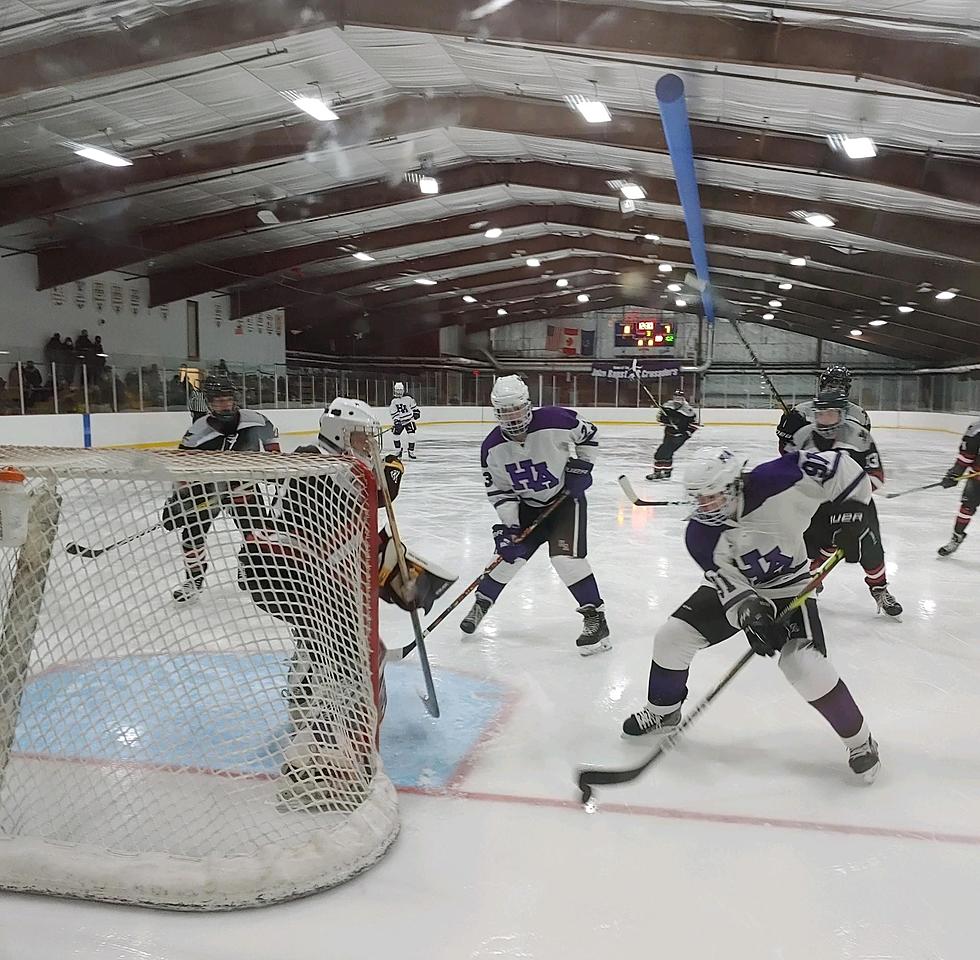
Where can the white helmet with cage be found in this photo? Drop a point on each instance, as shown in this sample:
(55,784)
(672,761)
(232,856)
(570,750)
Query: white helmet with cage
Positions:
(714,481)
(512,406)
(346,426)
(399,389)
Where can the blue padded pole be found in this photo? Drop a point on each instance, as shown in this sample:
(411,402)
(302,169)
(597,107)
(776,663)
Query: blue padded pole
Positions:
(677,130)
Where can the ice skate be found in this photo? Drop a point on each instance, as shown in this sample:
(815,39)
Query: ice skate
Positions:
(477,612)
(954,544)
(411,455)
(646,721)
(864,761)
(887,604)
(595,632)
(189,591)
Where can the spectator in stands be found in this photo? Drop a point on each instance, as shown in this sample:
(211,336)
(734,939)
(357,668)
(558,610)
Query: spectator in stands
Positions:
(69,361)
(54,350)
(84,344)
(98,358)
(221,368)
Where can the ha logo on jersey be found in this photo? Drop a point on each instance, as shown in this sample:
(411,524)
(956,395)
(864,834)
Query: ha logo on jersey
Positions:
(528,475)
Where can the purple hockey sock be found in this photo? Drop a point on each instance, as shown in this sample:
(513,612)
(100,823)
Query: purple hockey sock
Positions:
(666,687)
(490,588)
(586,592)
(840,710)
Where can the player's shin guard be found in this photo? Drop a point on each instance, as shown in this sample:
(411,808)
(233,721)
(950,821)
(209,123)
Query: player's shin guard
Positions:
(963,518)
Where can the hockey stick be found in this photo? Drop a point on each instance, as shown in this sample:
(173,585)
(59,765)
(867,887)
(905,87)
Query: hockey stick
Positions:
(587,779)
(90,553)
(929,486)
(429,698)
(399,653)
(637,501)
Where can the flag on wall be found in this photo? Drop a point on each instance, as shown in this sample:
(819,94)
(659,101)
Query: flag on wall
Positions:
(588,343)
(570,341)
(551,338)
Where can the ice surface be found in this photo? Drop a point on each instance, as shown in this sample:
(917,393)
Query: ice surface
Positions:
(748,842)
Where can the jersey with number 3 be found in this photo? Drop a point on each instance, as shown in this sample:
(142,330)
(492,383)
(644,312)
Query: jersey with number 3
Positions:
(762,550)
(857,441)
(534,471)
(402,410)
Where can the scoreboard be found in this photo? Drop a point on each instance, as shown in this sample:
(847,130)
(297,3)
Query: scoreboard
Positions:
(644,332)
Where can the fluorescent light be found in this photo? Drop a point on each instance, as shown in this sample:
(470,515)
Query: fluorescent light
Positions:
(775,303)
(945,295)
(593,111)
(665,268)
(428,185)
(674,287)
(107,157)
(680,303)
(857,148)
(857,333)
(561,283)
(819,220)
(365,257)
(468,299)
(493,233)
(315,107)
(786,286)
(501,312)
(533,262)
(425,282)
(651,236)
(769,316)
(798,262)
(583,298)
(905,309)
(632,191)
(267,217)
(877,323)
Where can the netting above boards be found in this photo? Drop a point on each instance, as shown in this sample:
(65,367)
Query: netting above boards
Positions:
(189,677)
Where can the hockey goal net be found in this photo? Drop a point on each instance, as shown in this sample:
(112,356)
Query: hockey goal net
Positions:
(189,677)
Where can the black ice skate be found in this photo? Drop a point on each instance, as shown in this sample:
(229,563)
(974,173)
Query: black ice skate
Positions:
(659,474)
(479,610)
(886,602)
(189,590)
(863,760)
(646,721)
(595,631)
(954,544)
(411,455)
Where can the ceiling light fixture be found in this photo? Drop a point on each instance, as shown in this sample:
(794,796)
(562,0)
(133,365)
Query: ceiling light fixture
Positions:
(583,298)
(561,283)
(428,185)
(533,262)
(493,233)
(819,219)
(314,106)
(501,312)
(769,316)
(674,287)
(905,309)
(592,109)
(632,191)
(857,333)
(362,256)
(665,268)
(680,303)
(775,303)
(469,299)
(267,217)
(798,262)
(108,157)
(877,323)
(945,295)
(786,286)
(857,148)
(655,237)
(425,282)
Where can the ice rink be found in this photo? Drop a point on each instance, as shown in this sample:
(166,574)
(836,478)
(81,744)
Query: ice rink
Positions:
(750,841)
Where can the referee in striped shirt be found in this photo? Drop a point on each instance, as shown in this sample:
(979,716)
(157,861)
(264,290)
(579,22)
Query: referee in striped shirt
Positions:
(197,406)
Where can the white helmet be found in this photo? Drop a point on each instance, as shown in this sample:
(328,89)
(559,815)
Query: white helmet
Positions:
(512,406)
(713,481)
(399,390)
(341,420)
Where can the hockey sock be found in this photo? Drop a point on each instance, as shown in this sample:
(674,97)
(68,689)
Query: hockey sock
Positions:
(398,447)
(875,577)
(586,592)
(841,712)
(490,588)
(411,447)
(963,518)
(666,688)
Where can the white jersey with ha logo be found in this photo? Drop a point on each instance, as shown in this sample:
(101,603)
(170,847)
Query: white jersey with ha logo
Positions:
(403,410)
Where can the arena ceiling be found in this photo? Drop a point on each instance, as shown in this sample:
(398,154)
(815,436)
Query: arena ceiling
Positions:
(232,187)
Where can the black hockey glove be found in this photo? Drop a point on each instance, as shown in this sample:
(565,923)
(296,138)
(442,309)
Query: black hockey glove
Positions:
(949,479)
(308,448)
(756,616)
(504,537)
(578,477)
(849,524)
(393,470)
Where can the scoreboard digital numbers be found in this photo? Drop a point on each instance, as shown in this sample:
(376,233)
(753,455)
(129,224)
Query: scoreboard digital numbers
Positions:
(644,333)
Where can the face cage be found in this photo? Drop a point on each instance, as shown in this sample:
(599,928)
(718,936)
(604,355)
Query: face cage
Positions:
(224,416)
(514,419)
(722,514)
(829,430)
(836,383)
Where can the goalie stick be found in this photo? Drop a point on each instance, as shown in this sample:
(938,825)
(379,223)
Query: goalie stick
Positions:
(399,653)
(638,501)
(589,778)
(930,486)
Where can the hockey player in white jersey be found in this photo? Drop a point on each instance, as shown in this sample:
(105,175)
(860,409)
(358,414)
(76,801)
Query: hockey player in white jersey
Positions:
(831,431)
(968,458)
(746,534)
(404,414)
(529,459)
(835,377)
(680,421)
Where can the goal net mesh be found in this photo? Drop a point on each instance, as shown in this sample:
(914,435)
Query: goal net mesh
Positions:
(189,677)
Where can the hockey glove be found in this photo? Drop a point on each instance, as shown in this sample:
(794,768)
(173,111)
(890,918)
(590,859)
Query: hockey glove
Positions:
(578,477)
(308,448)
(393,470)
(756,616)
(417,414)
(949,479)
(849,524)
(507,549)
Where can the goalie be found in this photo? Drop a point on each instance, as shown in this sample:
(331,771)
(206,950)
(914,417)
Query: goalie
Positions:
(304,569)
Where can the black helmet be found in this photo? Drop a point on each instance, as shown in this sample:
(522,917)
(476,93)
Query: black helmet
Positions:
(829,400)
(838,377)
(217,387)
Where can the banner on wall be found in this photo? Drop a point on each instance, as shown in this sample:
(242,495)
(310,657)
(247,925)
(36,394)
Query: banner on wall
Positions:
(570,341)
(645,369)
(588,343)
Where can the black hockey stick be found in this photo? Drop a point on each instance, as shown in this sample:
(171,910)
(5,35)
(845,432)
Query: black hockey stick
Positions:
(638,501)
(589,778)
(399,653)
(929,486)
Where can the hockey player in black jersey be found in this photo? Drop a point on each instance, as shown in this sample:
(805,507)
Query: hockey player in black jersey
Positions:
(835,378)
(680,422)
(193,507)
(968,459)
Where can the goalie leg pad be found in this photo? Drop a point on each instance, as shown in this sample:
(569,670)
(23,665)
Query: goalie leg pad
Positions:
(426,581)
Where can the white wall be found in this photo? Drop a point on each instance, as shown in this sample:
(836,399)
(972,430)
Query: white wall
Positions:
(114,306)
